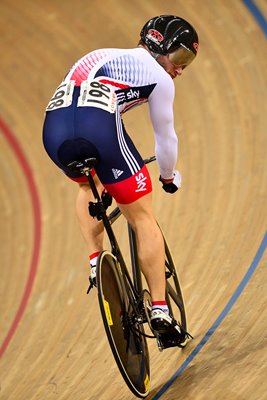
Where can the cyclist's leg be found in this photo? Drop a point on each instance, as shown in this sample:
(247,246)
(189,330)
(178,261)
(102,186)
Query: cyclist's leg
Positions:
(92,229)
(150,243)
(124,175)
(63,146)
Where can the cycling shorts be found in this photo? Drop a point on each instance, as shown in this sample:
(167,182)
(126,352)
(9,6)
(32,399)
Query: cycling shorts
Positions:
(74,133)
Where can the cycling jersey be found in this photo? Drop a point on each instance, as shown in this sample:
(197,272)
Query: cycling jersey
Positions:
(84,115)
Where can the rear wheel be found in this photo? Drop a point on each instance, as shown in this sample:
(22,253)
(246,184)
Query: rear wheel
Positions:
(123,327)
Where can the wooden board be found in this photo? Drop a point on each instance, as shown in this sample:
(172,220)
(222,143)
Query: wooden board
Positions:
(54,345)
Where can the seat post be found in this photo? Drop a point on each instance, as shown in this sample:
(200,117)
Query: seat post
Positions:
(91,182)
(85,167)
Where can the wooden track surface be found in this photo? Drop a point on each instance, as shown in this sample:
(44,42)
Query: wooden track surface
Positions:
(215,224)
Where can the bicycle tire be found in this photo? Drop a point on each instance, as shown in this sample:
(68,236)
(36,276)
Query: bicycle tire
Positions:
(129,347)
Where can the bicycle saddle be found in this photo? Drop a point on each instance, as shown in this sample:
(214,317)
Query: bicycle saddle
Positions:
(77,166)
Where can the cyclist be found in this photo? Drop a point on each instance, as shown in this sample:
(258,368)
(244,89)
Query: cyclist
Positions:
(84,119)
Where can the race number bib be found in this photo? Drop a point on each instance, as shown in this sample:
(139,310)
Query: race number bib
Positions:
(97,94)
(62,96)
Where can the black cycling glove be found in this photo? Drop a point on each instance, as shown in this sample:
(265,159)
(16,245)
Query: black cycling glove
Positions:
(174,185)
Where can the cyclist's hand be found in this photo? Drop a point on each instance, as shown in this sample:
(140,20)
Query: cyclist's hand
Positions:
(171,186)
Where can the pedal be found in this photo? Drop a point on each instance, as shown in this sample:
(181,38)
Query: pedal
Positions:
(91,285)
(165,341)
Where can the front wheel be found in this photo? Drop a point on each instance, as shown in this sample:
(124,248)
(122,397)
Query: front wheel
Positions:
(123,329)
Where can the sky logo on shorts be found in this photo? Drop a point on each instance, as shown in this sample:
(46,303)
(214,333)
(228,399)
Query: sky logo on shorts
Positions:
(141,184)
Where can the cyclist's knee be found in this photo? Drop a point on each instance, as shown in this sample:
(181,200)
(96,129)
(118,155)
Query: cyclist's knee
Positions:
(139,212)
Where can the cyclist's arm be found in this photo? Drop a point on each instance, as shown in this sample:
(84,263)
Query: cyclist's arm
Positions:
(161,113)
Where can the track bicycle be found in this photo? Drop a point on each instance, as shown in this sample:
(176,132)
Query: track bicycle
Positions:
(125,306)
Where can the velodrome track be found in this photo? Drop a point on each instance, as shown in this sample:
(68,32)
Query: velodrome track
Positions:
(53,345)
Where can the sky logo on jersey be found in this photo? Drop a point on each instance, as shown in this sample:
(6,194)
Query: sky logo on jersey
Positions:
(141,182)
(133,94)
(128,95)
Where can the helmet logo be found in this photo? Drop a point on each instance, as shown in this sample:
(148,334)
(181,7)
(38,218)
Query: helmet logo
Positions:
(155,36)
(195,45)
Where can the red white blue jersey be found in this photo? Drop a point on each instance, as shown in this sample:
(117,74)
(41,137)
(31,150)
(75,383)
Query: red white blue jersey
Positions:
(136,77)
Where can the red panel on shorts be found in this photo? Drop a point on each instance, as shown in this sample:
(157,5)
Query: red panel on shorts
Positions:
(131,189)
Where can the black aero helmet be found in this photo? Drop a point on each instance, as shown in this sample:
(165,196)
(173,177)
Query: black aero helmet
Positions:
(169,34)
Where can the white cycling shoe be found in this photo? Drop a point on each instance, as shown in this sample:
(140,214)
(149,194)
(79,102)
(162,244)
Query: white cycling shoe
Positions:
(164,324)
(92,277)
